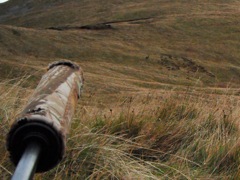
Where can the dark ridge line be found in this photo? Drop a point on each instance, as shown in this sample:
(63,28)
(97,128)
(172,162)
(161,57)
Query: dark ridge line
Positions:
(99,26)
(130,20)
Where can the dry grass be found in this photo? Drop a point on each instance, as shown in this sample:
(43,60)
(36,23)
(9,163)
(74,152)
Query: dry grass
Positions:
(151,135)
(12,98)
(205,32)
(141,116)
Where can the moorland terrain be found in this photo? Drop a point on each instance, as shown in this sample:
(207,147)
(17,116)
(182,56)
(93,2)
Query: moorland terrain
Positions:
(161,92)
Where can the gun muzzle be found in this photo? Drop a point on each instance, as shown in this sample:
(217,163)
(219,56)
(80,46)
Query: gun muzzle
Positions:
(46,119)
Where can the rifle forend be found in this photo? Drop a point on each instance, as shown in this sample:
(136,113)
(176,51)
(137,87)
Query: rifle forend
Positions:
(47,117)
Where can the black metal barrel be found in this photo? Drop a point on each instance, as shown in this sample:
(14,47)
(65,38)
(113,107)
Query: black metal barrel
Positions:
(45,121)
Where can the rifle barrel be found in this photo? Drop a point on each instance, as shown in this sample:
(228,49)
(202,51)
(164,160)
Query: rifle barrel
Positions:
(37,138)
(28,163)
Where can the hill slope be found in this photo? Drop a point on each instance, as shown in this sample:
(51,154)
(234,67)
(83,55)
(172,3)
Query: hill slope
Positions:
(176,43)
(161,83)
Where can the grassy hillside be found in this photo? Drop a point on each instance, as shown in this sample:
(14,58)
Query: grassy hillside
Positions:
(153,70)
(176,43)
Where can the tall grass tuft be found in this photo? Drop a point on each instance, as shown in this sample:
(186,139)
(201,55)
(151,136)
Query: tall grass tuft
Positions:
(12,98)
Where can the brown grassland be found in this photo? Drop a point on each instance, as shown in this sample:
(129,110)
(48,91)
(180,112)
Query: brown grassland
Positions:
(161,93)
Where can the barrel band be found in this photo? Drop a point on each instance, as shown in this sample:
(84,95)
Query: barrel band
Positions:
(63,63)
